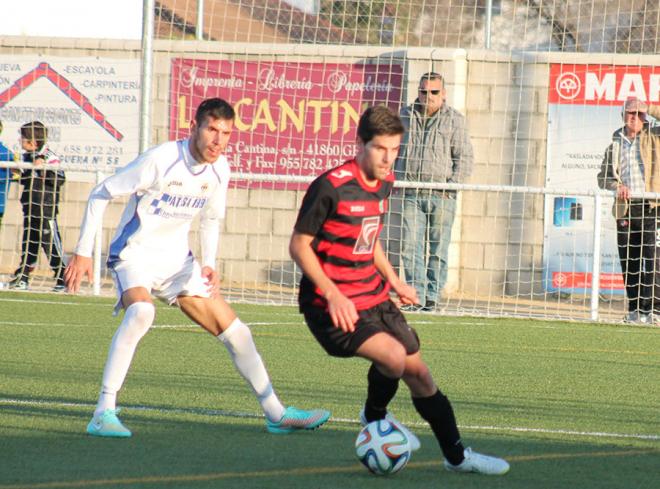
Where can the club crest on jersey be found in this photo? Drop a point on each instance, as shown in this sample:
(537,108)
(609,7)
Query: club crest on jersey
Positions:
(339,174)
(205,187)
(381,206)
(365,243)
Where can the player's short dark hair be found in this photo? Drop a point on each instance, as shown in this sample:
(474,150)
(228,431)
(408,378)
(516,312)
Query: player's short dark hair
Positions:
(379,120)
(216,108)
(35,131)
(431,75)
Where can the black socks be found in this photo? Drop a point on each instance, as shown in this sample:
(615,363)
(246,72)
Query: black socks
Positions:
(437,411)
(380,392)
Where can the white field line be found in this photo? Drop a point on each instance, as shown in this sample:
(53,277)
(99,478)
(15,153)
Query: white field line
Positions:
(237,414)
(61,302)
(411,319)
(293,323)
(155,326)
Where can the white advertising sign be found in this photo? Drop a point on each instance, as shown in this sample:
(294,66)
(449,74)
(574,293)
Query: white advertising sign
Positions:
(89,105)
(585,105)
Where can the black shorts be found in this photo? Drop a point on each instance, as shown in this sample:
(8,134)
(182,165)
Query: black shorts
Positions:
(383,318)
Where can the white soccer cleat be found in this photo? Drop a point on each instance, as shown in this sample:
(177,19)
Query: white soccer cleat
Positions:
(479,464)
(412,438)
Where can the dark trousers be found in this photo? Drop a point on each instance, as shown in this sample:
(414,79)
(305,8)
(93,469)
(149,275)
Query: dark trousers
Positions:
(638,239)
(40,230)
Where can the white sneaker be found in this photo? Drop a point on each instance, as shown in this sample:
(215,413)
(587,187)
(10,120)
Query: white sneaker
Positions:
(412,438)
(652,319)
(636,317)
(479,464)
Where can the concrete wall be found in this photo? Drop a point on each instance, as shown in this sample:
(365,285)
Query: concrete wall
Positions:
(497,242)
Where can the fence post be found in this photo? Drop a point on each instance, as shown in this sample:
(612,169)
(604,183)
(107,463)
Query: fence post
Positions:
(595,265)
(199,26)
(489,20)
(146,78)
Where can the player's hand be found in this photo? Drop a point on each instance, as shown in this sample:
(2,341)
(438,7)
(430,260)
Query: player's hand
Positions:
(212,280)
(406,293)
(78,268)
(342,312)
(623,192)
(39,161)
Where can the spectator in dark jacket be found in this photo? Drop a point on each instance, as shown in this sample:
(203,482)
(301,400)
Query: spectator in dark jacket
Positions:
(436,148)
(40,197)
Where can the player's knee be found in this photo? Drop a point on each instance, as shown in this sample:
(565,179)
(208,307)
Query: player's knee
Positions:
(418,374)
(394,361)
(138,319)
(143,312)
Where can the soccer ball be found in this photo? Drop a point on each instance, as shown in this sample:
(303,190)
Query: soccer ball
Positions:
(382,448)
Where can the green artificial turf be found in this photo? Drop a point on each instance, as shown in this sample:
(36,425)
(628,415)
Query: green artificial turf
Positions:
(569,405)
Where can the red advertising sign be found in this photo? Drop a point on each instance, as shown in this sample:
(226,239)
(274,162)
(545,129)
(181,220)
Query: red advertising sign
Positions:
(584,110)
(292,118)
(602,84)
(582,280)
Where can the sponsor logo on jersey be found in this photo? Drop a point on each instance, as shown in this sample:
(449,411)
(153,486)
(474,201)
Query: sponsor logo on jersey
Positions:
(174,183)
(357,208)
(365,243)
(170,205)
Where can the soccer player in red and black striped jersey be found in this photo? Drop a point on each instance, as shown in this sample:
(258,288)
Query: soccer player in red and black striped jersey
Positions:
(347,278)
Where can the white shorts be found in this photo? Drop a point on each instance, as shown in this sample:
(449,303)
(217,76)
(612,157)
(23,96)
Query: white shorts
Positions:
(165,282)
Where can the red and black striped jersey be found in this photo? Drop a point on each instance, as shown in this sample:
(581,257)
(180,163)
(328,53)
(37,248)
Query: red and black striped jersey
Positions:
(345,216)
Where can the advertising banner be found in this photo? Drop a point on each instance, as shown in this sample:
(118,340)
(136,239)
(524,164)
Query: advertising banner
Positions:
(90,106)
(584,109)
(293,118)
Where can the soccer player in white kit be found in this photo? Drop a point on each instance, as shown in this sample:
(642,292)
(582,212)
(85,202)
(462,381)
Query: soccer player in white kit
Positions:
(149,255)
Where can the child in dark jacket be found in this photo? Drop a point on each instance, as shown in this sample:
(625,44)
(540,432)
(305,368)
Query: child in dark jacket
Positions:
(40,197)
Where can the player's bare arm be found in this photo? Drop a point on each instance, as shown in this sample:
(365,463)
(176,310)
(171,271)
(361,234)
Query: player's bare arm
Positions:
(341,309)
(406,293)
(78,268)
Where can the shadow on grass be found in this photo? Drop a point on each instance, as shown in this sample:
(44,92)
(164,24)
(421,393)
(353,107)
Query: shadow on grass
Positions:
(46,447)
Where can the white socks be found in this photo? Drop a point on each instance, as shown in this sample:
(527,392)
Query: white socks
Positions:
(137,320)
(237,338)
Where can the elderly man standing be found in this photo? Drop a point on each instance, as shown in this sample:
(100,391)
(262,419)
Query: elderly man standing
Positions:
(436,148)
(631,167)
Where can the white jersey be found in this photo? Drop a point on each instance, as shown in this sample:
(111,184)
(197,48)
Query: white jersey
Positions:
(167,190)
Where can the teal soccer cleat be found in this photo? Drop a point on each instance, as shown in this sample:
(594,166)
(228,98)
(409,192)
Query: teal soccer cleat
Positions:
(108,424)
(295,419)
